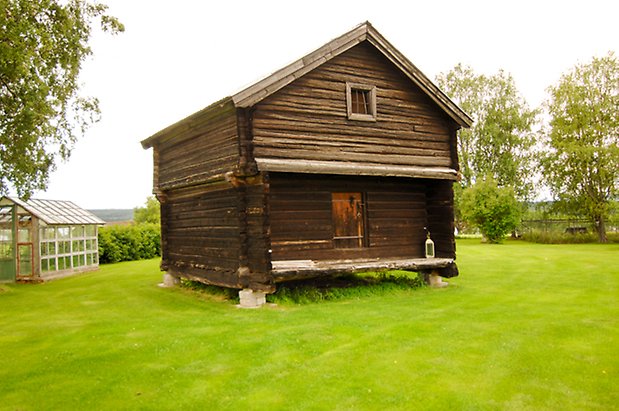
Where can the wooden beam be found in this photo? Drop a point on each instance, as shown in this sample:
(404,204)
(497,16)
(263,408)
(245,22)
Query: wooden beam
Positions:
(346,168)
(296,269)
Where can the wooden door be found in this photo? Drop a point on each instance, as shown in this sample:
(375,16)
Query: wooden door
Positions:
(348,220)
(25,263)
(7,243)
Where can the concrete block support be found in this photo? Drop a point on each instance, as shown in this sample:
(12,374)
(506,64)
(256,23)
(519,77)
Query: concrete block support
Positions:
(170,281)
(434,279)
(251,299)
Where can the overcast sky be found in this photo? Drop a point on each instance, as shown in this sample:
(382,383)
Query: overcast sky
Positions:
(177,57)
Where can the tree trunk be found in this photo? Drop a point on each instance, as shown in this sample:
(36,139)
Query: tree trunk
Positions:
(600,227)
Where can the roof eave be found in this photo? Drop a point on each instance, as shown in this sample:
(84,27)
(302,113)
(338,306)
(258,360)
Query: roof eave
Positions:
(185,123)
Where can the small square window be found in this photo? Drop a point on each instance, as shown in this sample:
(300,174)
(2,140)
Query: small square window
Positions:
(361,102)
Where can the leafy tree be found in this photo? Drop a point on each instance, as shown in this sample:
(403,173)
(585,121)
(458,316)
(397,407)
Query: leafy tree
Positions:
(500,141)
(42,46)
(581,155)
(493,209)
(150,213)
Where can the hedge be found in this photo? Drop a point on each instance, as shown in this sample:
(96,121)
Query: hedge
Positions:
(129,242)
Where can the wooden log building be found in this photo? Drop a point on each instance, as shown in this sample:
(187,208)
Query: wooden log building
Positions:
(341,161)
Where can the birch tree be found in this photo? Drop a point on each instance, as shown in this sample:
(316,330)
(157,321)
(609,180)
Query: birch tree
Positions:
(580,159)
(42,46)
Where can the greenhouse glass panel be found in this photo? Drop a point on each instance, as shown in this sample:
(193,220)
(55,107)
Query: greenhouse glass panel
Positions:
(6,234)
(50,233)
(77,231)
(23,235)
(64,247)
(64,232)
(25,259)
(6,250)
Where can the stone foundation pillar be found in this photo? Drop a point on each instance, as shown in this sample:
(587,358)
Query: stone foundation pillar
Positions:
(251,299)
(435,280)
(170,281)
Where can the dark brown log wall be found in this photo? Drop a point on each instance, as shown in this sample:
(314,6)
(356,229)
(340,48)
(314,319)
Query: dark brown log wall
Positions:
(300,216)
(308,118)
(254,236)
(440,206)
(206,147)
(202,233)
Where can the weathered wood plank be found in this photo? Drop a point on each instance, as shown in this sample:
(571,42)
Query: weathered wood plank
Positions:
(285,270)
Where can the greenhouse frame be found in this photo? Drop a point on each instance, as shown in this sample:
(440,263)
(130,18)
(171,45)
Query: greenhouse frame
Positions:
(46,239)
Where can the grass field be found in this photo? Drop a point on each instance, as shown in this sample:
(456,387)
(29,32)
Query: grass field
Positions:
(524,327)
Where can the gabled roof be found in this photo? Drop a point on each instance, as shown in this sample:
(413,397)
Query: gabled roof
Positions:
(281,78)
(55,212)
(363,32)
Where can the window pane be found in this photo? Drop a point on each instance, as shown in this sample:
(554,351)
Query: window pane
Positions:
(51,248)
(6,251)
(43,249)
(64,232)
(6,234)
(44,266)
(90,231)
(77,231)
(360,101)
(23,235)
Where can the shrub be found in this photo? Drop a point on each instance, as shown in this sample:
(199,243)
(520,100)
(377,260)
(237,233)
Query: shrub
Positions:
(129,242)
(494,210)
(554,237)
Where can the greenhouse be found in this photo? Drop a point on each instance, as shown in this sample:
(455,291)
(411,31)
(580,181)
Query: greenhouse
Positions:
(45,239)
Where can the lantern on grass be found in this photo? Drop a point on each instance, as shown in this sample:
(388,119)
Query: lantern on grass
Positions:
(429,247)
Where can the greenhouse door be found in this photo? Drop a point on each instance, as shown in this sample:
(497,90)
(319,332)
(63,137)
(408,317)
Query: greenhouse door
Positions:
(24,265)
(7,250)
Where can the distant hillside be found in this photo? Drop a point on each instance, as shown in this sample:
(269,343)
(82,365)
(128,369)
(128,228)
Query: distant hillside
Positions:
(114,215)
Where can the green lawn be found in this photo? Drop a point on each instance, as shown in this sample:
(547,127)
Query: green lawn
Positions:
(524,327)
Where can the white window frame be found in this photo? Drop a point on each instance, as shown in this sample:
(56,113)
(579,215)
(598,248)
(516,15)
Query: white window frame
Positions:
(372,95)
